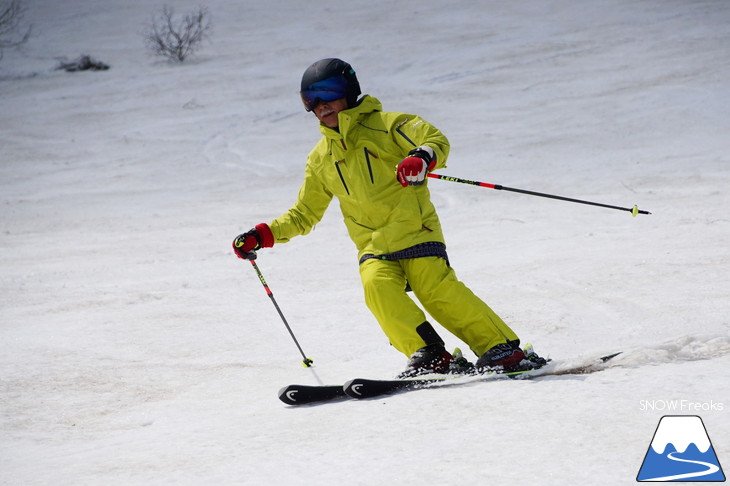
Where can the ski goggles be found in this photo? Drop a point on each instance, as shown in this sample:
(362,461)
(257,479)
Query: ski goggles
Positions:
(329,89)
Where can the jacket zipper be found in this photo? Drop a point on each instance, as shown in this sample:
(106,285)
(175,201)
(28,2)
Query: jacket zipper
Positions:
(342,178)
(400,132)
(370,167)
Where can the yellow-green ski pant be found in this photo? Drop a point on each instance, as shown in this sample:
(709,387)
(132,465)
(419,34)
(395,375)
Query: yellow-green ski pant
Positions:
(444,297)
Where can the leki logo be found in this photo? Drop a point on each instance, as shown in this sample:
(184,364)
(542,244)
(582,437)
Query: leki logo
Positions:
(681,451)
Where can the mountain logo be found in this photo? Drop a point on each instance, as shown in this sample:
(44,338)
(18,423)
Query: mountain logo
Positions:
(681,451)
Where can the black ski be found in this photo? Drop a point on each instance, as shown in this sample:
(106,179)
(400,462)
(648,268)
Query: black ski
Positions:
(304,394)
(366,388)
(362,388)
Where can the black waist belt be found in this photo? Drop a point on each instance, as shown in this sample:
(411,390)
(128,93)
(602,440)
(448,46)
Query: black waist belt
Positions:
(428,249)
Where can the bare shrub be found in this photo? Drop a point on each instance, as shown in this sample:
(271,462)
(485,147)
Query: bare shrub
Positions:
(176,38)
(82,63)
(11,34)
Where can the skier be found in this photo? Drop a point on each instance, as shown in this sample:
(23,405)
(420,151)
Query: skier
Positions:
(375,163)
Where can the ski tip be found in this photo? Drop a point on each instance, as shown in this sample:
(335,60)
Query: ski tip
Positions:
(352,388)
(360,388)
(306,394)
(609,356)
(288,395)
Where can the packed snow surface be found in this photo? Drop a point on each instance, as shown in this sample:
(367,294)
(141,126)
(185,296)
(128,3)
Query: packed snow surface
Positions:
(137,350)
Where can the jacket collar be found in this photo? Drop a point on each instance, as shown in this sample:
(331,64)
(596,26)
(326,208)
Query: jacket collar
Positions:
(347,118)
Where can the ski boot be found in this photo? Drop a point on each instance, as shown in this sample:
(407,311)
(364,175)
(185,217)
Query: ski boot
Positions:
(430,359)
(502,358)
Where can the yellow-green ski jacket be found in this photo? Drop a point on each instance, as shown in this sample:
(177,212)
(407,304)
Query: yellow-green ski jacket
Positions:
(357,164)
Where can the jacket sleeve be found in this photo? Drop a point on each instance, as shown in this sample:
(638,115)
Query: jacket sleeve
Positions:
(411,131)
(307,211)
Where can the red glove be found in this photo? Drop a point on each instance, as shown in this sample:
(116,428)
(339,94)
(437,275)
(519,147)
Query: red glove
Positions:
(256,238)
(413,169)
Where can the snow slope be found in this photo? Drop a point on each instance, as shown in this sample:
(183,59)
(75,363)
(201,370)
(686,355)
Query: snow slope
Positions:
(137,350)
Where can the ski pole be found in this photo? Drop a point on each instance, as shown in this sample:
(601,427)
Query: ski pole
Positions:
(634,211)
(251,258)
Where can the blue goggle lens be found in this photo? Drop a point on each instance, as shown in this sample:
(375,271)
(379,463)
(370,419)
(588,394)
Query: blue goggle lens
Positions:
(329,89)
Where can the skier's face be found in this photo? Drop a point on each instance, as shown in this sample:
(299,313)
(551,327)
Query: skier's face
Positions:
(326,111)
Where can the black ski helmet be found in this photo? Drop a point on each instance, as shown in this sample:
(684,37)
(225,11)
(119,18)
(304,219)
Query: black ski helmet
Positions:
(331,68)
